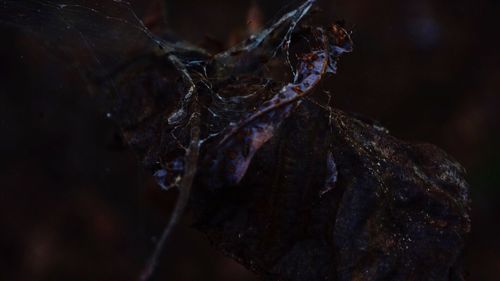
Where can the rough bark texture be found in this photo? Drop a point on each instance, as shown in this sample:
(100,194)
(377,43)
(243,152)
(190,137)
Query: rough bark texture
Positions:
(398,211)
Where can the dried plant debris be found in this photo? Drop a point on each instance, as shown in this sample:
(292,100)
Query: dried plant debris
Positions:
(389,210)
(282,182)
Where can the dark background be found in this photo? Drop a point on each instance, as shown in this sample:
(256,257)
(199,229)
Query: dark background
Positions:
(76,205)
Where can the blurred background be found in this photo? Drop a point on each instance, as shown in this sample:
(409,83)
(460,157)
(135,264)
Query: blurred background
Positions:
(76,205)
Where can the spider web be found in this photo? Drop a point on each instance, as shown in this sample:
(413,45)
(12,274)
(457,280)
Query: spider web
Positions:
(97,35)
(101,38)
(179,107)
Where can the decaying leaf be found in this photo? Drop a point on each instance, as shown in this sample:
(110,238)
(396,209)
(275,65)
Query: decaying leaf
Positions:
(398,211)
(290,187)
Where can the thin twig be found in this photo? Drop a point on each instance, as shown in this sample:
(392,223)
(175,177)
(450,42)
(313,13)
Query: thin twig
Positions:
(185,185)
